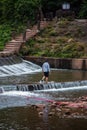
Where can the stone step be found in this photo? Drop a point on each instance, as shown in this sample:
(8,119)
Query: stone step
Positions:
(19,39)
(14,45)
(11,49)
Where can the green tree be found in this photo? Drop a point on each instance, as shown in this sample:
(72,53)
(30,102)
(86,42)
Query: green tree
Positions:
(83,10)
(25,9)
(8,9)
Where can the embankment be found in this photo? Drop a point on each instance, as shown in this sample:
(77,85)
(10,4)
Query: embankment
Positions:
(68,63)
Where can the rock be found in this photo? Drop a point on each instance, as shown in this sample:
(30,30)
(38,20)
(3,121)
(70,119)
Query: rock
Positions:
(40,113)
(53,105)
(40,107)
(51,113)
(70,40)
(58,109)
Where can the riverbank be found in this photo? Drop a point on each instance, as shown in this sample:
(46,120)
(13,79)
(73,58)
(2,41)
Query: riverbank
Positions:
(61,39)
(60,63)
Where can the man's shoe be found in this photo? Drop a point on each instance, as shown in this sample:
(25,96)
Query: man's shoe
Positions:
(41,81)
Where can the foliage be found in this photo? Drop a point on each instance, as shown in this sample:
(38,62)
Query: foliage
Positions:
(25,9)
(14,14)
(17,10)
(6,31)
(5,35)
(83,11)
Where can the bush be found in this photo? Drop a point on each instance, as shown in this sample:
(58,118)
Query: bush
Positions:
(5,35)
(83,10)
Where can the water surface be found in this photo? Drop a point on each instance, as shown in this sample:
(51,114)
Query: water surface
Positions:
(16,112)
(55,75)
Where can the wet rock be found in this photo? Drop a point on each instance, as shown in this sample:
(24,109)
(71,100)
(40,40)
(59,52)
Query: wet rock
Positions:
(40,113)
(40,107)
(58,109)
(53,105)
(51,113)
(70,109)
(33,106)
(58,114)
(64,103)
(67,112)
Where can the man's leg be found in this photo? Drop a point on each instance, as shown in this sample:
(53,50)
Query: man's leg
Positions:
(46,79)
(43,78)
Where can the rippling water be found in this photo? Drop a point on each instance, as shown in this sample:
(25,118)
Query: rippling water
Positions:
(17,114)
(55,75)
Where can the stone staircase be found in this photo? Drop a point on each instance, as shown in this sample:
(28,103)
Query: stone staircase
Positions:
(13,46)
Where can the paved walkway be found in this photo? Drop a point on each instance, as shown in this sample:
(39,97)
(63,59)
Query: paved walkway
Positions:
(14,45)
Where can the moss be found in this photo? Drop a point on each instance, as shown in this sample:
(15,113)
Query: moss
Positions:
(40,40)
(61,40)
(63,23)
(53,33)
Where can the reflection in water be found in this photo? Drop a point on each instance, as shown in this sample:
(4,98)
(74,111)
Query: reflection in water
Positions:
(46,117)
(55,75)
(26,118)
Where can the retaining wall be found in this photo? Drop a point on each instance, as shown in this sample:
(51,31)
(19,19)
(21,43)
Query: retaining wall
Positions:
(68,63)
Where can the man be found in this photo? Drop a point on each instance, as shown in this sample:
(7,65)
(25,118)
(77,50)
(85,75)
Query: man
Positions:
(45,70)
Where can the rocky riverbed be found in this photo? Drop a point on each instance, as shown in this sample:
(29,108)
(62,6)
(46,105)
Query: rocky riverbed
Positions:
(64,109)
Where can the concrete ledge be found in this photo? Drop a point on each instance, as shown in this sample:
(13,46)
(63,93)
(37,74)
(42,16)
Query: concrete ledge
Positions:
(60,63)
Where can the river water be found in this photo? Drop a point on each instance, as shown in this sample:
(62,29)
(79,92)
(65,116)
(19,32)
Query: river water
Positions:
(55,75)
(16,112)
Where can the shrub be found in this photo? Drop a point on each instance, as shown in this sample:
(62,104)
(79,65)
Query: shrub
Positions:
(5,35)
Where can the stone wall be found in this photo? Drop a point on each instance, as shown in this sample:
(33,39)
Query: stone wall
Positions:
(61,63)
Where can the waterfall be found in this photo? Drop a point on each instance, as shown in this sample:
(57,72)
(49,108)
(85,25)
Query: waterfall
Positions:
(50,85)
(10,60)
(14,65)
(43,86)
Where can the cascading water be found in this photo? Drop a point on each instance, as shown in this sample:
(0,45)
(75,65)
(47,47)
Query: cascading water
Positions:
(16,66)
(51,86)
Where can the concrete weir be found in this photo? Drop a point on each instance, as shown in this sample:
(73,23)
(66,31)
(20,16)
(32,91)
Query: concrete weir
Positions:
(50,85)
(45,86)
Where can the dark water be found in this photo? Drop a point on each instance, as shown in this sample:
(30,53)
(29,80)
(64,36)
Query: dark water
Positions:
(25,118)
(17,114)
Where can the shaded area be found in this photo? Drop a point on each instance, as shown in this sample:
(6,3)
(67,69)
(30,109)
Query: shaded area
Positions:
(27,118)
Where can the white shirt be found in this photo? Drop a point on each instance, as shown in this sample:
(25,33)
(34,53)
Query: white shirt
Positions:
(46,67)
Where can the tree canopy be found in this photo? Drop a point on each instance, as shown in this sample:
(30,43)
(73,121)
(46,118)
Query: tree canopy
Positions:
(26,9)
(15,14)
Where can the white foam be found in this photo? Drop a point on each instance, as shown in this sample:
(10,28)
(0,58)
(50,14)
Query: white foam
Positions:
(66,89)
(25,67)
(18,93)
